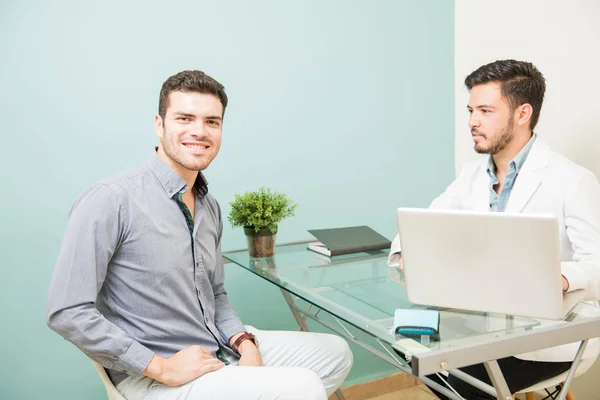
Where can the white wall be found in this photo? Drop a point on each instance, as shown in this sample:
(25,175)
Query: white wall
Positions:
(562,38)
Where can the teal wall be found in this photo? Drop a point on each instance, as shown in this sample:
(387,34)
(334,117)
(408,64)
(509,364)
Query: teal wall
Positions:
(347,106)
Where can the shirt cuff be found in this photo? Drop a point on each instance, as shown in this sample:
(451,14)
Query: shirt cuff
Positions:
(135,360)
(231,327)
(577,279)
(394,259)
(395,249)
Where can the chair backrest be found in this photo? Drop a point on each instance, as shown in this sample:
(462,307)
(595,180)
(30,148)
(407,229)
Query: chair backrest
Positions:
(111,390)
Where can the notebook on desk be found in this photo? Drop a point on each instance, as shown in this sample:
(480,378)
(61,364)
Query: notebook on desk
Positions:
(348,240)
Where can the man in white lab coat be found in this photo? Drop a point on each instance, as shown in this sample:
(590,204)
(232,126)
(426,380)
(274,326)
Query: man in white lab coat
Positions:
(522,174)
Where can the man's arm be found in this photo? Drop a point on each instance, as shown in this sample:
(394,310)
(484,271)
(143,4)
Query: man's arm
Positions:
(93,235)
(449,200)
(582,220)
(226,320)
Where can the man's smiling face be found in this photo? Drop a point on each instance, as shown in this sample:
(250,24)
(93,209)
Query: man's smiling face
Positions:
(190,134)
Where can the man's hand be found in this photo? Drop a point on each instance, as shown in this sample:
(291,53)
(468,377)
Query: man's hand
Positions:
(182,367)
(250,355)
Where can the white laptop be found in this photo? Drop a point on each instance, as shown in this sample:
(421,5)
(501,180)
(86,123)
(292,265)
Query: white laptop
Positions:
(483,261)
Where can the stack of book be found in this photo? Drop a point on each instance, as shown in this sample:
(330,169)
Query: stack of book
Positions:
(354,239)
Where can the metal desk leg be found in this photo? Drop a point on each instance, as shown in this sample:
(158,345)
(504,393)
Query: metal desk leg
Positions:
(301,322)
(571,375)
(339,395)
(303,327)
(510,323)
(463,376)
(493,370)
(385,355)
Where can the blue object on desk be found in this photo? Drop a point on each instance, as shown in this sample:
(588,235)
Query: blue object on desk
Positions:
(414,322)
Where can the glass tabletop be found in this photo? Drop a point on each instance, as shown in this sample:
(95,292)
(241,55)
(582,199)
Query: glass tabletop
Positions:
(362,290)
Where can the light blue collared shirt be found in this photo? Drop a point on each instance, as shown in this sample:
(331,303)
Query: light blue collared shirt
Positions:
(498,202)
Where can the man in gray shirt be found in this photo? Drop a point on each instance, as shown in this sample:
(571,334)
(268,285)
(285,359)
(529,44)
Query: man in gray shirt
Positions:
(139,281)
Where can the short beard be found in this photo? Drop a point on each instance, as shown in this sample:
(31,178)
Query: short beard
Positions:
(178,158)
(506,136)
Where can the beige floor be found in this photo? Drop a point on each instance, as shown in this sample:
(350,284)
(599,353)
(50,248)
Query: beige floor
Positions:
(418,392)
(397,386)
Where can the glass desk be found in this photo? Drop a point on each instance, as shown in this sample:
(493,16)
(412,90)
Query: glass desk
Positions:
(356,296)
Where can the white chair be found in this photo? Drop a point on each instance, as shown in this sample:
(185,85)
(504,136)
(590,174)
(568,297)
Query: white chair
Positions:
(111,390)
(556,381)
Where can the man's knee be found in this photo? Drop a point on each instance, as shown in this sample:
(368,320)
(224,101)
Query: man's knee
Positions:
(341,351)
(305,384)
(345,351)
(291,383)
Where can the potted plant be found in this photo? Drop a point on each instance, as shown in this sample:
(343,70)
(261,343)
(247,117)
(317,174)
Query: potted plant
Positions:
(260,212)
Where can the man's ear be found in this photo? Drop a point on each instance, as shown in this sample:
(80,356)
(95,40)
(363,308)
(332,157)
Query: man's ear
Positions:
(523,114)
(159,129)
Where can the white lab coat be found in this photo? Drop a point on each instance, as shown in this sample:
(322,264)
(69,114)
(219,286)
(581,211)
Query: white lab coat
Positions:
(547,183)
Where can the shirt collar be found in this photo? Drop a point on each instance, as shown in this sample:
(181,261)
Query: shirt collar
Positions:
(171,181)
(516,162)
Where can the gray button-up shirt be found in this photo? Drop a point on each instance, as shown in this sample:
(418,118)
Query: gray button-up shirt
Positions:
(132,280)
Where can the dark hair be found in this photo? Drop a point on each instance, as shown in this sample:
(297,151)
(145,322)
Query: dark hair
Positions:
(190,81)
(521,83)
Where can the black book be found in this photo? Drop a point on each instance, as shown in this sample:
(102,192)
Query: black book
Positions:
(353,239)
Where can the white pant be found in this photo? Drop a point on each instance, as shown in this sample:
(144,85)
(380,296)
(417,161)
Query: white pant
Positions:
(297,365)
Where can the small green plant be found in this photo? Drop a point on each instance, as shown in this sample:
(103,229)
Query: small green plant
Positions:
(261,209)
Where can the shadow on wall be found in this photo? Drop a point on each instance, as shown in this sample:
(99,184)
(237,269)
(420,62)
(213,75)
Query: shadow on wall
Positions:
(583,146)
